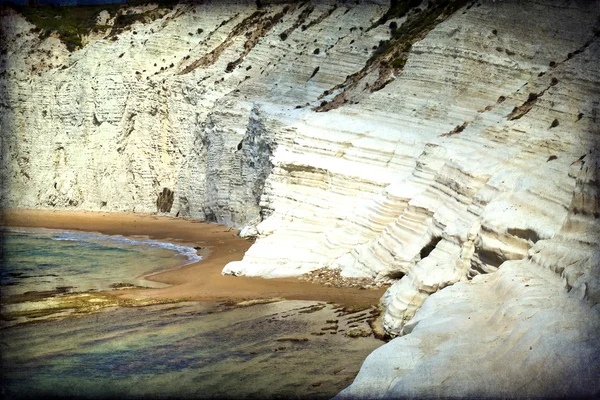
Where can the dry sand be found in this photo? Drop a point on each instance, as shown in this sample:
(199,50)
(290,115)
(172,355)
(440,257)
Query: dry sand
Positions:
(197,281)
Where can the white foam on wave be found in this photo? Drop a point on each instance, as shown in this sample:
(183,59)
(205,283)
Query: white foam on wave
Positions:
(60,235)
(186,251)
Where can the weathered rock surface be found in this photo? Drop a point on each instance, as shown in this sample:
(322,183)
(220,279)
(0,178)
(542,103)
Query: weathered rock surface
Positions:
(159,105)
(471,171)
(514,333)
(534,323)
(391,188)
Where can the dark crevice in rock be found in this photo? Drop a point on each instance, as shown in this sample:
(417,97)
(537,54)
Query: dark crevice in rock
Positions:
(396,275)
(210,215)
(489,257)
(582,48)
(586,196)
(476,269)
(207,40)
(527,234)
(428,248)
(314,73)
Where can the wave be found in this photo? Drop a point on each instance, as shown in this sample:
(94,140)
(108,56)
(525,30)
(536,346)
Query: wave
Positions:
(97,238)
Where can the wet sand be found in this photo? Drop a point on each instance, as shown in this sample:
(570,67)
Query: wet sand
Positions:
(197,281)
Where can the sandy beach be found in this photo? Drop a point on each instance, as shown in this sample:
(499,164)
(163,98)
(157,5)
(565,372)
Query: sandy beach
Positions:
(197,281)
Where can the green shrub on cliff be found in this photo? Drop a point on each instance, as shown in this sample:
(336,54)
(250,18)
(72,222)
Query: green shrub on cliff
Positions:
(71,23)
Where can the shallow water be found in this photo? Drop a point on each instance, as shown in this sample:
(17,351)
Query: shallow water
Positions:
(44,260)
(284,349)
(186,350)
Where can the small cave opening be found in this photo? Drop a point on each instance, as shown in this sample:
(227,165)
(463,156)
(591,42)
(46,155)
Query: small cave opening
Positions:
(489,257)
(239,146)
(527,234)
(395,275)
(210,216)
(425,251)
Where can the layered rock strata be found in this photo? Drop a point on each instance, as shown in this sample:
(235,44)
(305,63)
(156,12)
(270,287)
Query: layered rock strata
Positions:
(451,169)
(194,101)
(458,176)
(511,334)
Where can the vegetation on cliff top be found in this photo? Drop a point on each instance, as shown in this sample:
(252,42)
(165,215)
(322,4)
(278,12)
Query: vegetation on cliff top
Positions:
(72,23)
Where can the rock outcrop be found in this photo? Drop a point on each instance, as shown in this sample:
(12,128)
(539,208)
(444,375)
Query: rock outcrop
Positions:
(195,100)
(457,159)
(511,334)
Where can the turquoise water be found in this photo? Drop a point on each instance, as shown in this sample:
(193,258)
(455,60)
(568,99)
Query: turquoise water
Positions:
(46,260)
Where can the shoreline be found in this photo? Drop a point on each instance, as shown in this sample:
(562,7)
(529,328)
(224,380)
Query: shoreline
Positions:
(139,238)
(196,281)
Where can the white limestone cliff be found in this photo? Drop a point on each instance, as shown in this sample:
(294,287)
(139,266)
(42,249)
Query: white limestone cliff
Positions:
(156,106)
(460,177)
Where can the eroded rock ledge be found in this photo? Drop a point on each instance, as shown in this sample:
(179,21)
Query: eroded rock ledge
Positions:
(459,174)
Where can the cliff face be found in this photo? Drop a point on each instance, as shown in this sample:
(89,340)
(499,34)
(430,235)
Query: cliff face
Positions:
(465,159)
(177,103)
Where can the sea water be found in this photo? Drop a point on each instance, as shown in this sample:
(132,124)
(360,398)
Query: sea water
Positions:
(184,350)
(37,260)
(286,349)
